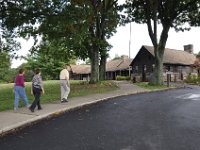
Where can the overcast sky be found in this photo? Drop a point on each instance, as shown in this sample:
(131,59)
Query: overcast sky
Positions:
(139,37)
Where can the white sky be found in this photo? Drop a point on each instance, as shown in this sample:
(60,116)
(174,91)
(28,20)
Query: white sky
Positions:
(139,37)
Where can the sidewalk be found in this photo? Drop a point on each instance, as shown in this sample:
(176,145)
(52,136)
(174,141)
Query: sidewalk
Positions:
(10,120)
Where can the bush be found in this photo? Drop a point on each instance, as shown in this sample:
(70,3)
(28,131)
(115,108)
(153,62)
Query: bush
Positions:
(7,75)
(191,78)
(123,78)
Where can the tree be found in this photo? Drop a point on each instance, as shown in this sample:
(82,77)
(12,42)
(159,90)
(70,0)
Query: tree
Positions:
(168,13)
(83,34)
(108,11)
(50,57)
(6,73)
(5,60)
(101,19)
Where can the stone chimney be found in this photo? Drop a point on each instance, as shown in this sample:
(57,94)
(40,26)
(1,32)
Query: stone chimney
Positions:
(188,48)
(124,57)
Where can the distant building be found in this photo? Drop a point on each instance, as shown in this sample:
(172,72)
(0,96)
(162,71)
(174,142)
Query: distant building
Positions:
(79,72)
(119,66)
(178,63)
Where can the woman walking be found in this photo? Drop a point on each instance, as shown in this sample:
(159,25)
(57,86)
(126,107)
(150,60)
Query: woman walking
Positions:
(19,89)
(36,90)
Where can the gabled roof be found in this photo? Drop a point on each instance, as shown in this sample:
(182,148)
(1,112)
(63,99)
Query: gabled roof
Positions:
(113,65)
(118,64)
(80,69)
(173,56)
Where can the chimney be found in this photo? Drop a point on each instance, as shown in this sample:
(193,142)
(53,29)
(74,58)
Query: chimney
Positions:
(188,48)
(124,57)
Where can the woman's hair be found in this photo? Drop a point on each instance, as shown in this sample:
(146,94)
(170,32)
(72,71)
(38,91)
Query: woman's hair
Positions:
(21,71)
(37,71)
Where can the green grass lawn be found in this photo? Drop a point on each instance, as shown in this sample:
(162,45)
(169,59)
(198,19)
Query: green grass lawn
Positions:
(52,91)
(146,85)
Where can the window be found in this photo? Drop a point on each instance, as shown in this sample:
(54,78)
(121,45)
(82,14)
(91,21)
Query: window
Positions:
(136,68)
(175,69)
(153,66)
(145,67)
(168,68)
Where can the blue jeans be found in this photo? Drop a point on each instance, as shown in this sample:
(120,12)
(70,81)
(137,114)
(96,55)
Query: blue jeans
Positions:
(20,92)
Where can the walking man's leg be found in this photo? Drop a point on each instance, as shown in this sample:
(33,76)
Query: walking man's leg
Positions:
(64,90)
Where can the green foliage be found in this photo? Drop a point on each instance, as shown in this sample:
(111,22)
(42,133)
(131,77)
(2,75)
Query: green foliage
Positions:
(7,75)
(5,60)
(52,91)
(65,31)
(192,78)
(123,78)
(50,67)
(169,12)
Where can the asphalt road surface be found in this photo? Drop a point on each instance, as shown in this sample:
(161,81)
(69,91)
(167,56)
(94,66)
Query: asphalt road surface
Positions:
(168,120)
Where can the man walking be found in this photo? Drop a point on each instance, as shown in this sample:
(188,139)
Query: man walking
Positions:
(64,84)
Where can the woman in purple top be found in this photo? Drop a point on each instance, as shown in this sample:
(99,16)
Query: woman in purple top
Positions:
(19,89)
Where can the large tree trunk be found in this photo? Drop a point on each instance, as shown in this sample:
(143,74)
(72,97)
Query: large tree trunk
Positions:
(102,68)
(157,78)
(94,57)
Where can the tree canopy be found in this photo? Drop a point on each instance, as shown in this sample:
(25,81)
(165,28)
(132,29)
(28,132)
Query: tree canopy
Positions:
(80,27)
(175,14)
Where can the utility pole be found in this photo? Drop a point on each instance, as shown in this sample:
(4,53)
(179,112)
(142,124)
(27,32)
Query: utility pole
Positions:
(129,68)
(130,42)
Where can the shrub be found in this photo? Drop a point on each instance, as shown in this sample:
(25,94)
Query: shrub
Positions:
(7,75)
(123,78)
(191,78)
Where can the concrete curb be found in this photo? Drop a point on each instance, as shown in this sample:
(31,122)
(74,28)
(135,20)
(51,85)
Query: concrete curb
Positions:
(16,127)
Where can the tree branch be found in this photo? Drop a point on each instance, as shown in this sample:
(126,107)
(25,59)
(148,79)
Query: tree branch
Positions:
(148,17)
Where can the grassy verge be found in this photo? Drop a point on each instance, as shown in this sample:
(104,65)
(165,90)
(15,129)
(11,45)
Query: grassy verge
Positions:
(52,91)
(146,85)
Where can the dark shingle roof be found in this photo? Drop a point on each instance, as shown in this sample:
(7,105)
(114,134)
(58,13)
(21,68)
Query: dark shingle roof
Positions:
(172,56)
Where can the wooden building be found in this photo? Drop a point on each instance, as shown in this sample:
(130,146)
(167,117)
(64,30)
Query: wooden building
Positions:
(177,63)
(118,67)
(79,72)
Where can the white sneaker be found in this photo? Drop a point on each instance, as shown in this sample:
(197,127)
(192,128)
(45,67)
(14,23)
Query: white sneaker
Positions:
(15,109)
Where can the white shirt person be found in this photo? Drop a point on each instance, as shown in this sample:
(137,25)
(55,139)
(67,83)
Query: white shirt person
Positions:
(64,84)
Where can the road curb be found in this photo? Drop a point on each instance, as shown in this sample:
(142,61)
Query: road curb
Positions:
(21,125)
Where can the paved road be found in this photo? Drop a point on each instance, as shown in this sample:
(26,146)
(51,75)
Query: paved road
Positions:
(168,120)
